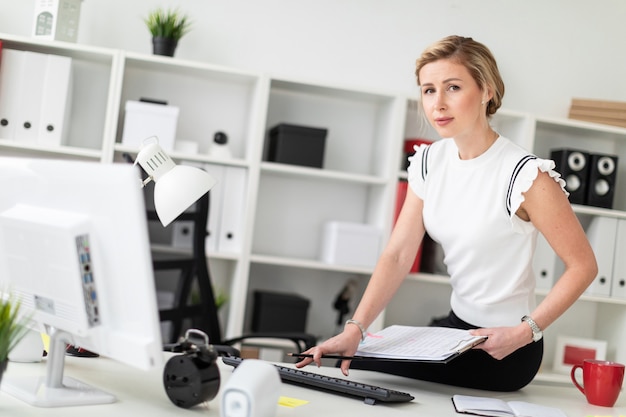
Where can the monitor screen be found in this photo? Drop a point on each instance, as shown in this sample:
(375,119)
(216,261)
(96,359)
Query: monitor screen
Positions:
(74,248)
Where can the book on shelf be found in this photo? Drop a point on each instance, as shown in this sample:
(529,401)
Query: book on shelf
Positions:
(431,344)
(495,407)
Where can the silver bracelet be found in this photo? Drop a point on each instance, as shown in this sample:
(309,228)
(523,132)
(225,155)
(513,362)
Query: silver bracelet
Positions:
(360,326)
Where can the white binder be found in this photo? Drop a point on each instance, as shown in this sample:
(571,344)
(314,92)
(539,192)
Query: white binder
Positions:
(55,100)
(230,238)
(182,234)
(28,102)
(618,289)
(11,74)
(546,264)
(601,233)
(215,207)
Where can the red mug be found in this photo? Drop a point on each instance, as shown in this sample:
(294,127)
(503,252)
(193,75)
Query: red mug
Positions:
(602,381)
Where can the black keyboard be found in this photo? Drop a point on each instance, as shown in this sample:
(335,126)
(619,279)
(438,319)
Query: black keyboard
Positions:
(369,393)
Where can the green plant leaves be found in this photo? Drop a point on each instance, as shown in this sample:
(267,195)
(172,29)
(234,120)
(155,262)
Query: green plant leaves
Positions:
(12,328)
(168,23)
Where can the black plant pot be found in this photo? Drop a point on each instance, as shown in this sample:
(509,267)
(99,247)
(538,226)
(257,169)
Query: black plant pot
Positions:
(164,46)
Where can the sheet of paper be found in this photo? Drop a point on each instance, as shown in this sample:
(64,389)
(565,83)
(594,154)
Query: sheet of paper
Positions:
(418,343)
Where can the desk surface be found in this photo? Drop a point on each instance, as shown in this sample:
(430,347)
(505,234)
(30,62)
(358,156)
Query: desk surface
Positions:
(141,393)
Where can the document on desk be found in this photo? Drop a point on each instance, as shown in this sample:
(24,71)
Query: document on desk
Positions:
(436,344)
(494,407)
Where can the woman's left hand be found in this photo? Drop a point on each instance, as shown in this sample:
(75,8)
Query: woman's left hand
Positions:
(502,341)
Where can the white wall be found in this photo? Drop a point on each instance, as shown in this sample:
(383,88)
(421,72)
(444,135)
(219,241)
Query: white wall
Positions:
(548,50)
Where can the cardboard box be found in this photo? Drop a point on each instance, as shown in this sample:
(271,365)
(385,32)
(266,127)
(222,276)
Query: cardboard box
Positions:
(350,244)
(599,111)
(56,19)
(144,119)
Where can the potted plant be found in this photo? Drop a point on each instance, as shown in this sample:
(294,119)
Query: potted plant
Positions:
(12,327)
(166,27)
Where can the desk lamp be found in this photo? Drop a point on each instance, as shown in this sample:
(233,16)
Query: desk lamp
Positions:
(176,187)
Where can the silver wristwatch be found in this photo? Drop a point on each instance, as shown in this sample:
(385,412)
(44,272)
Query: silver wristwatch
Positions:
(537,333)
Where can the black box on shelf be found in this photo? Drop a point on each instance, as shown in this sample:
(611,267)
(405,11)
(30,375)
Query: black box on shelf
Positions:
(279,312)
(297,145)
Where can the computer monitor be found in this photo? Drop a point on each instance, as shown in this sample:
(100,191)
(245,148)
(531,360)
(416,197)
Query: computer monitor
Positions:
(74,248)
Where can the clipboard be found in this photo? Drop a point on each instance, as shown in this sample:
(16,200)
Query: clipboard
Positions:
(411,344)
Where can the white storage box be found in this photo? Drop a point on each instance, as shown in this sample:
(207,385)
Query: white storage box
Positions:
(143,120)
(56,20)
(350,244)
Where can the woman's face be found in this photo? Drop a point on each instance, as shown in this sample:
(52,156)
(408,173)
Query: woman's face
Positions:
(452,100)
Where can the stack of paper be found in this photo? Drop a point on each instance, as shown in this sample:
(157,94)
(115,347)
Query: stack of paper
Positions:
(418,343)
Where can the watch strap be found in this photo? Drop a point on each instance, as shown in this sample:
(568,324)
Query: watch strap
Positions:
(537,333)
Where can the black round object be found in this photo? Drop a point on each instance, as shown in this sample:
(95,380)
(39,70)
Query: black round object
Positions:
(220,138)
(192,378)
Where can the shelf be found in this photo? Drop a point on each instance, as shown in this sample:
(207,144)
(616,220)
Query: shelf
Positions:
(56,151)
(598,211)
(572,126)
(432,278)
(189,68)
(445,280)
(179,156)
(315,173)
(308,264)
(163,248)
(73,50)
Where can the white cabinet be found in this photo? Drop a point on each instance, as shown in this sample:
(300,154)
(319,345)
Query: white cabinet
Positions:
(281,209)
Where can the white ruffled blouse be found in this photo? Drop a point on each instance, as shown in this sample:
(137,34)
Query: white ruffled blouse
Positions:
(469,208)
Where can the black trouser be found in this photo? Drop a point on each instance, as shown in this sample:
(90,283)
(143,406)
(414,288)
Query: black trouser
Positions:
(473,369)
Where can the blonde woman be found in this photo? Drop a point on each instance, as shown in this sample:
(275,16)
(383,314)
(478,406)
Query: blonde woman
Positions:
(484,199)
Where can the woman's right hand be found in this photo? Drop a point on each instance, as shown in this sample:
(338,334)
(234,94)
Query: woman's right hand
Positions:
(343,344)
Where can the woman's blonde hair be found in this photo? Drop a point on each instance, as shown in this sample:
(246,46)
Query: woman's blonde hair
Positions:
(476,57)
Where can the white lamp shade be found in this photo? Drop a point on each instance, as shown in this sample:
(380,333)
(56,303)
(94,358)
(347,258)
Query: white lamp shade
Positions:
(178,189)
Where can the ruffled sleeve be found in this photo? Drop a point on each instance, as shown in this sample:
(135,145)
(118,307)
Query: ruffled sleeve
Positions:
(418,168)
(522,183)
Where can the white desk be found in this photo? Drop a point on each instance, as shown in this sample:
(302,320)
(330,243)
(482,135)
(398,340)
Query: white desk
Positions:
(141,393)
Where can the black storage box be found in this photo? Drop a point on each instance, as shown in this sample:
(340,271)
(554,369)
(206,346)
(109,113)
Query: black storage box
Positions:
(297,145)
(279,312)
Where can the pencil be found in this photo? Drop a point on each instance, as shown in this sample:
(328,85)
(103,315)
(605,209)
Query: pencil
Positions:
(307,355)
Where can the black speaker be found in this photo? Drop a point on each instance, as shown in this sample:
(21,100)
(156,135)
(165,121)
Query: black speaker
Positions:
(573,165)
(601,183)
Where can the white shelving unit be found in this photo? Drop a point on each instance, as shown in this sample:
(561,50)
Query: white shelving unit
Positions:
(284,206)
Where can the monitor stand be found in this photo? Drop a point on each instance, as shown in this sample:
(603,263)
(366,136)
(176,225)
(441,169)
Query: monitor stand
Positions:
(53,389)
